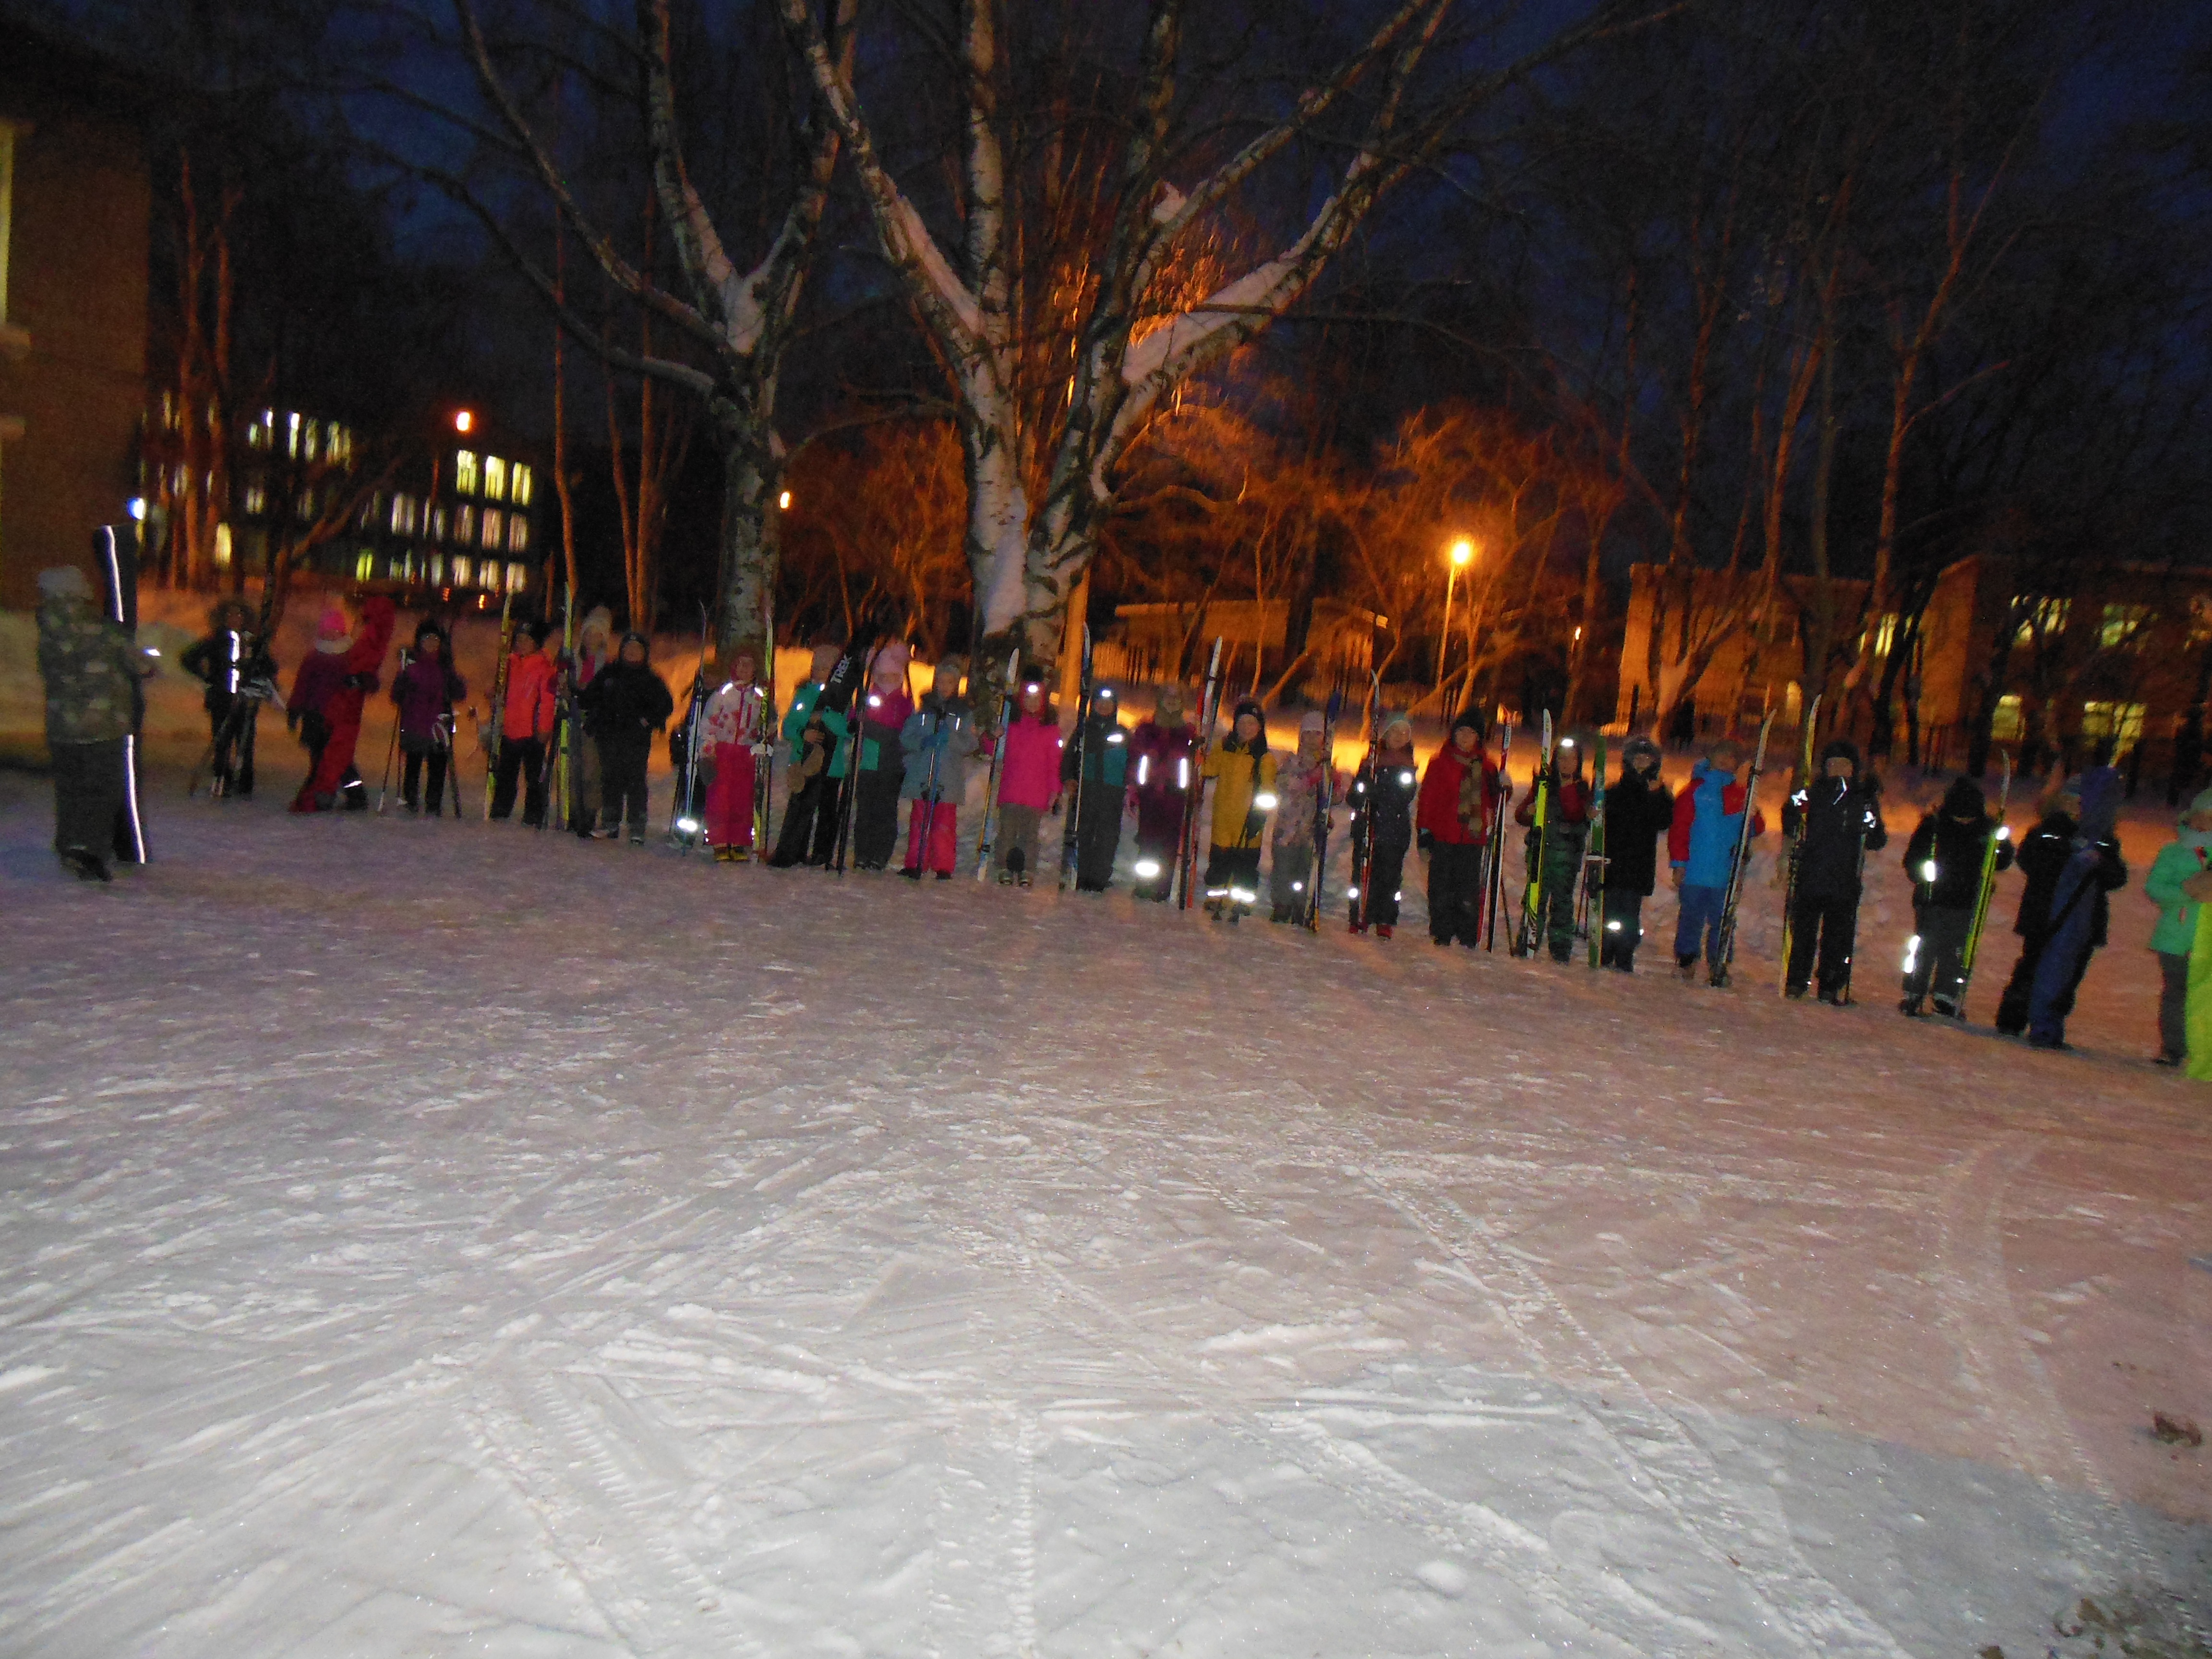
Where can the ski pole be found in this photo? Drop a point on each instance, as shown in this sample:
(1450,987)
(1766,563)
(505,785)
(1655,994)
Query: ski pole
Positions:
(390,747)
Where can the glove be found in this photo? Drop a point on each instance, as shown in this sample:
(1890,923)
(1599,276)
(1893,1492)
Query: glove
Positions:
(1425,839)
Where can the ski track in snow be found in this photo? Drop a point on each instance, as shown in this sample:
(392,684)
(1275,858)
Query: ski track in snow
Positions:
(427,1238)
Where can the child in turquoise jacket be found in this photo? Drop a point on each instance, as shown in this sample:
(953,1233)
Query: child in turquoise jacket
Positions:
(2178,884)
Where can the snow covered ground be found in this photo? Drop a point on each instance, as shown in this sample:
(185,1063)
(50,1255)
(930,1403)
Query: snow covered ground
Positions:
(426,1238)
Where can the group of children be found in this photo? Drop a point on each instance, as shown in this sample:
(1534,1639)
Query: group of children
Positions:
(918,758)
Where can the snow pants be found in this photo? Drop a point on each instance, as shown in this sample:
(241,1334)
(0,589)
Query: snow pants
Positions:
(417,756)
(1562,869)
(729,809)
(809,823)
(933,836)
(1097,837)
(1456,874)
(2012,1005)
(521,760)
(584,778)
(1697,928)
(231,720)
(1386,872)
(1622,921)
(622,783)
(875,818)
(1018,839)
(89,790)
(1943,931)
(1827,922)
(2172,1004)
(1159,839)
(331,772)
(1287,879)
(1232,875)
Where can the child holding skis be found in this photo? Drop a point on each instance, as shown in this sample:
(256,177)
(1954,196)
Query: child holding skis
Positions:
(732,744)
(1837,821)
(1244,774)
(938,740)
(1945,858)
(884,708)
(425,691)
(1638,808)
(1701,845)
(1455,815)
(813,738)
(2179,884)
(1103,750)
(1564,834)
(1163,752)
(626,703)
(1382,796)
(526,720)
(1028,780)
(1300,780)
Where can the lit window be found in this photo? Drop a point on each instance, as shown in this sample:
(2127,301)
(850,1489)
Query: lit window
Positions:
(518,534)
(256,500)
(2046,618)
(170,407)
(223,547)
(402,515)
(462,571)
(365,566)
(1881,634)
(292,435)
(464,471)
(438,523)
(2123,722)
(2124,625)
(2008,722)
(518,577)
(464,526)
(311,445)
(437,570)
(495,528)
(495,477)
(519,485)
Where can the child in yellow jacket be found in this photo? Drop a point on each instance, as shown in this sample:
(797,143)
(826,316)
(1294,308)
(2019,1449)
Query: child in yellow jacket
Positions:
(1244,794)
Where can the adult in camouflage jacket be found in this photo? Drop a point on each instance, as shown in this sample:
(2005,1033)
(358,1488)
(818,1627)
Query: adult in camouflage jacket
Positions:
(91,676)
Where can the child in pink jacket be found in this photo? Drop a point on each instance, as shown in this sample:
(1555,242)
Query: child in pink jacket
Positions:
(733,742)
(1029,781)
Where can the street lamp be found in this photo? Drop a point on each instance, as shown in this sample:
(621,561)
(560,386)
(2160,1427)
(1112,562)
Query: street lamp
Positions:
(1460,555)
(463,421)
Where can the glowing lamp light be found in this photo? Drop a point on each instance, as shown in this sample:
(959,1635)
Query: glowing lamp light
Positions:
(1928,872)
(2004,832)
(1354,893)
(1613,927)
(1911,952)
(1265,800)
(1297,887)
(783,503)
(1405,780)
(464,420)
(1147,868)
(1566,743)
(1462,552)
(136,506)
(1243,895)
(689,826)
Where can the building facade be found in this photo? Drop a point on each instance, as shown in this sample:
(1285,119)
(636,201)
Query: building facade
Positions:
(76,200)
(2124,656)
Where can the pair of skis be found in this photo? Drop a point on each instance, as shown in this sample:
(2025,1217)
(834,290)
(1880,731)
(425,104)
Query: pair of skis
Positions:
(1739,867)
(1984,887)
(498,701)
(1362,845)
(1070,837)
(1324,803)
(1595,864)
(1008,701)
(1209,709)
(1529,935)
(1494,878)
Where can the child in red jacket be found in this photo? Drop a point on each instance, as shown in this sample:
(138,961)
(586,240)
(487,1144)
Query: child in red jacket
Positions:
(1453,819)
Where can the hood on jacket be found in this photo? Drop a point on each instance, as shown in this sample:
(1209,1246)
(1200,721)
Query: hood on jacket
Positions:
(332,625)
(1964,800)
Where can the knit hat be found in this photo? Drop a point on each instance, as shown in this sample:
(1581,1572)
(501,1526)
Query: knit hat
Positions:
(2203,801)
(426,628)
(63,581)
(597,620)
(1468,719)
(2100,801)
(1251,706)
(332,624)
(632,633)
(1395,726)
(1841,749)
(1964,800)
(1636,747)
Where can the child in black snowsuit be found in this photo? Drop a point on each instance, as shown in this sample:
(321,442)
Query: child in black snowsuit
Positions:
(625,704)
(1382,796)
(1838,822)
(1638,809)
(1944,857)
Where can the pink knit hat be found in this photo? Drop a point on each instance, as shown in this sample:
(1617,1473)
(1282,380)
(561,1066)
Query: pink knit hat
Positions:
(332,624)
